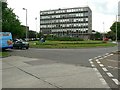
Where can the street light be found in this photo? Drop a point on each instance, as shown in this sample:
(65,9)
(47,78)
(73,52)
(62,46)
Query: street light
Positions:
(26,23)
(36,27)
(116,28)
(103,32)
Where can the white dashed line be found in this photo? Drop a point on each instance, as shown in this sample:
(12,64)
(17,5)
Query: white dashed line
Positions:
(103,81)
(95,69)
(109,74)
(98,62)
(105,69)
(90,59)
(100,58)
(101,65)
(99,75)
(106,53)
(116,81)
(95,57)
(91,62)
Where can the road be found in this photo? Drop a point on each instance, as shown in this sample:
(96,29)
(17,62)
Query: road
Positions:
(55,68)
(68,56)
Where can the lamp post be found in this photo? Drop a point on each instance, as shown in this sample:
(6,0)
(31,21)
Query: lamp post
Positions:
(36,27)
(103,32)
(116,28)
(26,24)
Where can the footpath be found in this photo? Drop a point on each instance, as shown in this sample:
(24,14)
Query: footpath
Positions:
(23,72)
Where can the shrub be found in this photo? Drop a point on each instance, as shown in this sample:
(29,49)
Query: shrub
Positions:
(54,38)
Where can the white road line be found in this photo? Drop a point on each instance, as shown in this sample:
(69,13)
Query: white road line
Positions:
(105,56)
(106,53)
(93,65)
(91,62)
(103,81)
(99,75)
(98,62)
(101,65)
(116,81)
(95,57)
(96,69)
(90,59)
(109,74)
(111,54)
(105,69)
(100,58)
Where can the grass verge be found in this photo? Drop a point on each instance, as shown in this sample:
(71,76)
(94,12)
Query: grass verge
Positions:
(70,44)
(4,54)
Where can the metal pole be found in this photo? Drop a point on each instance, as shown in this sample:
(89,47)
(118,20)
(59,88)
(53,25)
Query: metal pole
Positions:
(116,28)
(36,27)
(103,31)
(26,26)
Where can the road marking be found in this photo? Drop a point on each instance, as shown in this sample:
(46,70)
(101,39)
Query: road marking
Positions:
(109,74)
(99,75)
(93,65)
(95,69)
(111,54)
(105,56)
(103,81)
(95,57)
(100,58)
(90,59)
(116,81)
(106,53)
(101,65)
(91,62)
(105,69)
(98,62)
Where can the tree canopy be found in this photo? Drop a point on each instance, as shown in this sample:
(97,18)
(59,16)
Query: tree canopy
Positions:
(113,29)
(10,22)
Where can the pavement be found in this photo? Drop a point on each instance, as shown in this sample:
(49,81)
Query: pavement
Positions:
(24,72)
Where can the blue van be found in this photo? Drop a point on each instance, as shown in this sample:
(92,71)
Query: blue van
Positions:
(6,40)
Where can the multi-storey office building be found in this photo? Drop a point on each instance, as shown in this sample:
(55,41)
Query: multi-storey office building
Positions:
(72,22)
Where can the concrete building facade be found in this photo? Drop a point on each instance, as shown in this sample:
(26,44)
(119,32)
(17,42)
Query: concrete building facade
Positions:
(70,22)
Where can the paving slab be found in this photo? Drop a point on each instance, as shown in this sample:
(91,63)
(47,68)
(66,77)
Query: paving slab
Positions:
(14,78)
(31,73)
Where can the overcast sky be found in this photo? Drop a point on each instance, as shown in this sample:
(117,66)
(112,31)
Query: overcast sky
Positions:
(102,11)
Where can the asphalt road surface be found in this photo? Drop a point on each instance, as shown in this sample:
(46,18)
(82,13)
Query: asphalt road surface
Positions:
(68,56)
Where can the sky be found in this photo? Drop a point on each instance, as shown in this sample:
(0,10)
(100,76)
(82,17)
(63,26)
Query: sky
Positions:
(103,11)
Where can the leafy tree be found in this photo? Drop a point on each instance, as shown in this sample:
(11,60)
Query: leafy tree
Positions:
(111,35)
(113,29)
(32,34)
(10,22)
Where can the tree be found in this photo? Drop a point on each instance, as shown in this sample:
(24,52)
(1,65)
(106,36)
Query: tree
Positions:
(10,22)
(111,35)
(113,29)
(32,34)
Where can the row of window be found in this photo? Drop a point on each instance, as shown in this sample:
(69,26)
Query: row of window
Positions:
(70,30)
(63,11)
(65,25)
(64,20)
(64,15)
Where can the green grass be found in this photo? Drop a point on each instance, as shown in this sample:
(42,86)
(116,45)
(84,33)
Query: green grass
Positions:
(4,54)
(69,44)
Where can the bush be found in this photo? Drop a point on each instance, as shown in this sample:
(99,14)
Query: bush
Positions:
(54,38)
